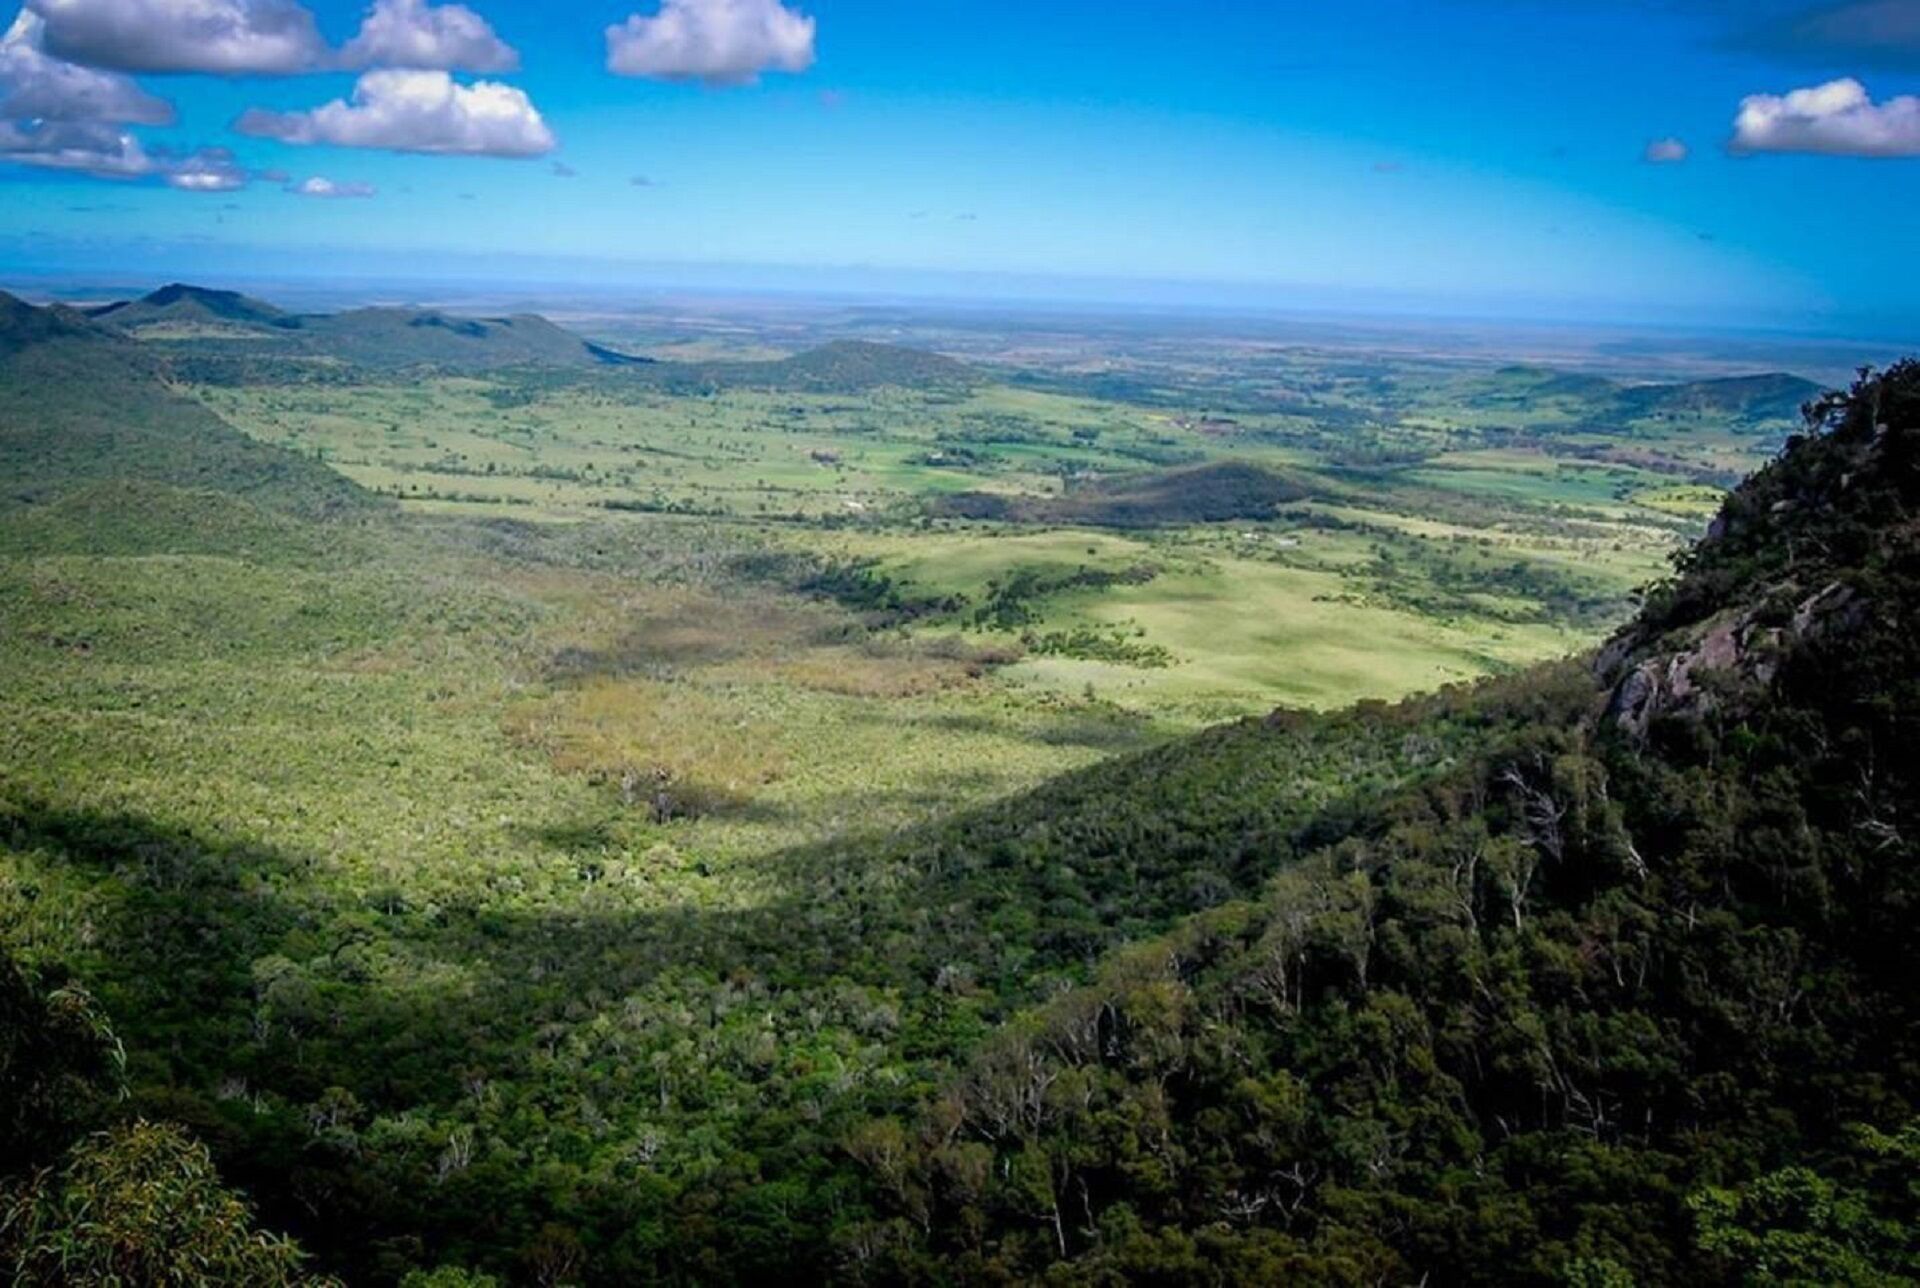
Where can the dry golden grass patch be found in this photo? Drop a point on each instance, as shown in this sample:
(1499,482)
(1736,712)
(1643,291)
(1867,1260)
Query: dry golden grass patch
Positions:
(680,698)
(674,747)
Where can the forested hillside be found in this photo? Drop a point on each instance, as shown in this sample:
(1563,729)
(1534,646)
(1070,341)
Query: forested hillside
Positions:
(1597,973)
(214,327)
(1624,996)
(80,404)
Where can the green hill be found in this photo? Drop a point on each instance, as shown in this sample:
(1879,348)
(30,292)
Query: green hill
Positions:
(182,305)
(378,338)
(206,327)
(1536,383)
(847,366)
(1214,493)
(1774,396)
(1609,404)
(80,404)
(24,327)
(844,366)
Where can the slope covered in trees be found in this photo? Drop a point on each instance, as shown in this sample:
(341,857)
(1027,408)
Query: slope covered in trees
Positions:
(1625,996)
(80,405)
(196,321)
(1594,974)
(178,304)
(1212,493)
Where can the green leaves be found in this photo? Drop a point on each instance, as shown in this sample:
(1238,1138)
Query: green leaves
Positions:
(60,1063)
(140,1204)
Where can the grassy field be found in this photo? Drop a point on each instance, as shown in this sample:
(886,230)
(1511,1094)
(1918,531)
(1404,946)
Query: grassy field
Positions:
(741,452)
(1363,591)
(654,640)
(403,712)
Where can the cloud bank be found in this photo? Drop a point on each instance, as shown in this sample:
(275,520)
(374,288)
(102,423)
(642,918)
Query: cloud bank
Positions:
(104,151)
(58,115)
(86,147)
(1835,119)
(719,42)
(415,111)
(224,37)
(34,85)
(67,93)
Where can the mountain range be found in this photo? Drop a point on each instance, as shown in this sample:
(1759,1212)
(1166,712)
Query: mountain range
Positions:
(369,338)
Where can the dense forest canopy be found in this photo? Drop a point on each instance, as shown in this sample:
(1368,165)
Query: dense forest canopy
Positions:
(1598,974)
(1624,996)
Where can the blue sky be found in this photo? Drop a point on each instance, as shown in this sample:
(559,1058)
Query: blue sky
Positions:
(1476,156)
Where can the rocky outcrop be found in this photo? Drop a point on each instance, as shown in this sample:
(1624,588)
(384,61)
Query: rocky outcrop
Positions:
(1801,562)
(1734,651)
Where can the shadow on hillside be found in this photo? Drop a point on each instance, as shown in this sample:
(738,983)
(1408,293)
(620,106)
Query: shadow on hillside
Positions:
(187,914)
(1020,889)
(238,968)
(1096,731)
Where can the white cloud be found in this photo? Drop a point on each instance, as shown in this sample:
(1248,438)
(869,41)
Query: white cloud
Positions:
(327,188)
(87,147)
(1835,119)
(412,33)
(721,42)
(1668,151)
(34,85)
(104,151)
(209,170)
(226,37)
(415,111)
